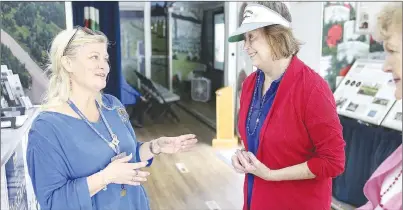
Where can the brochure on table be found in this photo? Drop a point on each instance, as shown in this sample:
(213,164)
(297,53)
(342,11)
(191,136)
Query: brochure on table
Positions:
(393,119)
(366,93)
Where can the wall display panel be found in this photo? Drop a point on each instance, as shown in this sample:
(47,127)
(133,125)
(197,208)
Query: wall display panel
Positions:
(186,44)
(366,93)
(27,31)
(393,119)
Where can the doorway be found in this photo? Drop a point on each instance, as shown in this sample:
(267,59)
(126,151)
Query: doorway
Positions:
(178,45)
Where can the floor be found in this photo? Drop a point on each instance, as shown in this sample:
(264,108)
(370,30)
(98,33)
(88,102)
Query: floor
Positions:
(209,179)
(205,111)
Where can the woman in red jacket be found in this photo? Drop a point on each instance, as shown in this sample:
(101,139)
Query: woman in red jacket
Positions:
(287,119)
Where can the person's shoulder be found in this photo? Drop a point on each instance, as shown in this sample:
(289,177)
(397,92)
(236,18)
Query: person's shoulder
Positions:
(111,102)
(311,78)
(44,129)
(249,79)
(46,119)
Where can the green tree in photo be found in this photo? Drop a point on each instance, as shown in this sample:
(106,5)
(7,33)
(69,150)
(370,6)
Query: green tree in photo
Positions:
(8,59)
(33,25)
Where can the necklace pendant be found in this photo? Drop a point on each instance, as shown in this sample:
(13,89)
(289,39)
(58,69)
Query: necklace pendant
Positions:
(123,193)
(115,140)
(111,145)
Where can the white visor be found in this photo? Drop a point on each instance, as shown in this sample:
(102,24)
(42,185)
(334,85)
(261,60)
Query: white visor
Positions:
(257,16)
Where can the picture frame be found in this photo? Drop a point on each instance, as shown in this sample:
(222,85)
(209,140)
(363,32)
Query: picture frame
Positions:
(363,22)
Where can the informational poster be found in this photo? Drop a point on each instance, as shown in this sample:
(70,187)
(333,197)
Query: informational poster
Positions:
(393,119)
(366,93)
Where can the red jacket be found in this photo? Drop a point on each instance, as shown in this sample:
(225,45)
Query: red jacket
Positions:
(302,125)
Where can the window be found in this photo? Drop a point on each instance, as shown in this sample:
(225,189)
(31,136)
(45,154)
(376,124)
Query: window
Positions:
(219,41)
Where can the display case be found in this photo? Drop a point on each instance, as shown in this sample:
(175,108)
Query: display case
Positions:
(366,93)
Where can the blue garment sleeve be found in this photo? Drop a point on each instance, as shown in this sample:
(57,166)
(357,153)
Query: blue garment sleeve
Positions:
(53,188)
(131,130)
(138,144)
(150,161)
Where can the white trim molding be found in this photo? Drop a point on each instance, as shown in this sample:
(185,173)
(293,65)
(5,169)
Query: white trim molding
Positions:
(68,9)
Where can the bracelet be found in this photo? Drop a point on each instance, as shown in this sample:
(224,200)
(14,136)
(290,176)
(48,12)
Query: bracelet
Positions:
(104,179)
(152,148)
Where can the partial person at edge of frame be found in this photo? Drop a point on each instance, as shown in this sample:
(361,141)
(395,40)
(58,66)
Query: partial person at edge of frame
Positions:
(384,188)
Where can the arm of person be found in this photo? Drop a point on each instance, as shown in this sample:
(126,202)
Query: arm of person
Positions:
(97,182)
(296,172)
(143,148)
(54,189)
(145,151)
(324,128)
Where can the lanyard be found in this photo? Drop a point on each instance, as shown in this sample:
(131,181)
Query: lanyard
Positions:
(114,144)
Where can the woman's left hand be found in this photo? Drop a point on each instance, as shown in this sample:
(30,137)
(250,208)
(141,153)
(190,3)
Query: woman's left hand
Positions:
(253,166)
(171,145)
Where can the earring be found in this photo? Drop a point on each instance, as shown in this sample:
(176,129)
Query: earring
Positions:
(71,85)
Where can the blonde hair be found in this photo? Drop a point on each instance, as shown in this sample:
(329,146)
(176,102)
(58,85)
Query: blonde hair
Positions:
(389,21)
(281,40)
(64,44)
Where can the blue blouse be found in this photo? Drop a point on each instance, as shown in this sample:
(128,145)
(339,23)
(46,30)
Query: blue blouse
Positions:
(258,111)
(63,151)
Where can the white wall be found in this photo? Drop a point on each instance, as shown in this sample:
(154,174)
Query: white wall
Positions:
(307,27)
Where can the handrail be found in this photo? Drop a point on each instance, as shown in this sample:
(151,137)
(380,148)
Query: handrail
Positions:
(11,138)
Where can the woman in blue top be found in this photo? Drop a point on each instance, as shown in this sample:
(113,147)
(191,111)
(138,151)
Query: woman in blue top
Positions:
(82,151)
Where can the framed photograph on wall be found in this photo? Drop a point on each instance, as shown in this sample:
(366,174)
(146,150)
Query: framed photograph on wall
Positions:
(363,23)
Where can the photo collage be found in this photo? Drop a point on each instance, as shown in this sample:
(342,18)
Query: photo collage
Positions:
(393,119)
(361,97)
